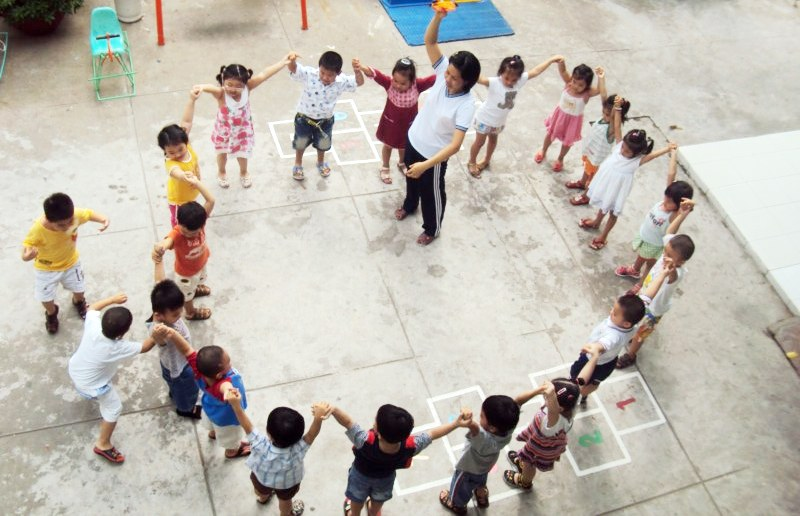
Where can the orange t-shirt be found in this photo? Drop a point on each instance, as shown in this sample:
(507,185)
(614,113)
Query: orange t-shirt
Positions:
(191,254)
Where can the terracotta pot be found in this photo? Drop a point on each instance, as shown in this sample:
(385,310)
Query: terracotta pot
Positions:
(38,27)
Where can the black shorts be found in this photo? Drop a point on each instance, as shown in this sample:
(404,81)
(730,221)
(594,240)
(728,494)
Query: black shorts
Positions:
(601,372)
(282,494)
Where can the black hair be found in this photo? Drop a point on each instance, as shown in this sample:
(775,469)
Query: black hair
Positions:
(501,412)
(116,322)
(58,207)
(234,71)
(683,245)
(394,424)
(166,295)
(172,135)
(638,142)
(624,107)
(285,426)
(209,360)
(513,63)
(632,308)
(331,60)
(583,73)
(679,190)
(192,215)
(468,66)
(406,67)
(567,392)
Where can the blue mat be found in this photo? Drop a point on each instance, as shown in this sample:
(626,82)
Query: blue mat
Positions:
(473,20)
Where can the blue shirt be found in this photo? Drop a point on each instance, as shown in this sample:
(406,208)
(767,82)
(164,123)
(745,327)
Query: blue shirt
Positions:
(278,468)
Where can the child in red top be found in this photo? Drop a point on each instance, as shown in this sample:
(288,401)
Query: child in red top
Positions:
(402,90)
(188,240)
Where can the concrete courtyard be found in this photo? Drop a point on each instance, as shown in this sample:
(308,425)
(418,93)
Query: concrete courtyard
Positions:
(320,295)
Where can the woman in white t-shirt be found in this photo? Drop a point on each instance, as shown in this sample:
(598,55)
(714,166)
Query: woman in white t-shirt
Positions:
(438,132)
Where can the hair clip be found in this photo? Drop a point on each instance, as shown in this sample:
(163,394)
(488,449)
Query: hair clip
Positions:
(561,391)
(405,61)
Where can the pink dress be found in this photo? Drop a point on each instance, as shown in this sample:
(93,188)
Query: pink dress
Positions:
(233,132)
(566,120)
(400,109)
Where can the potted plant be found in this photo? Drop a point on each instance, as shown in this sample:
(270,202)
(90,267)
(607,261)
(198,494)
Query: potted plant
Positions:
(37,17)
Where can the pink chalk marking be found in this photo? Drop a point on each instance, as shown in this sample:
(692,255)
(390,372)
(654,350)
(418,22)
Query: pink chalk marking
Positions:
(621,404)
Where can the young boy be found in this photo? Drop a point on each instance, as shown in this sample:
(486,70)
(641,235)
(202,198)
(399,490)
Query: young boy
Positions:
(188,239)
(485,441)
(669,270)
(95,363)
(313,123)
(381,451)
(598,358)
(51,244)
(166,300)
(276,460)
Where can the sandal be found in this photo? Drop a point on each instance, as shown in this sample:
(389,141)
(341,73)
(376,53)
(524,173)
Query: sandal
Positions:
(625,360)
(481,496)
(400,214)
(538,157)
(202,290)
(597,244)
(242,451)
(346,506)
(626,271)
(558,166)
(297,173)
(223,182)
(81,307)
(51,321)
(246,181)
(447,503)
(587,224)
(579,200)
(425,239)
(483,165)
(199,314)
(386,175)
(575,185)
(111,455)
(510,478)
(514,459)
(324,169)
(297,507)
(473,170)
(402,168)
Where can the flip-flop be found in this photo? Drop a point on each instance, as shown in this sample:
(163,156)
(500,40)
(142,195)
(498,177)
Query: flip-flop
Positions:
(242,451)
(324,169)
(297,173)
(346,506)
(575,185)
(223,182)
(400,214)
(597,244)
(425,239)
(586,224)
(447,503)
(483,165)
(111,455)
(579,200)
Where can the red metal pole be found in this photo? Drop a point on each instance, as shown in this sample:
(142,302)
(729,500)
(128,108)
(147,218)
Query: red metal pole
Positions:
(302,12)
(159,24)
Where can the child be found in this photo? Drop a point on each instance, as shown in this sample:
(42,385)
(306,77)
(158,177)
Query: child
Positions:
(381,451)
(599,357)
(51,244)
(649,244)
(598,145)
(180,160)
(95,363)
(565,122)
(276,460)
(499,417)
(188,239)
(402,90)
(167,301)
(313,123)
(491,116)
(678,249)
(546,437)
(438,132)
(233,130)
(614,180)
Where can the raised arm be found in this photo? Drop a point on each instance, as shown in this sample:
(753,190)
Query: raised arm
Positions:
(686,207)
(544,65)
(357,71)
(594,350)
(551,401)
(342,418)
(160,248)
(118,299)
(657,154)
(234,399)
(432,36)
(526,396)
(188,111)
(208,197)
(562,70)
(292,64)
(672,172)
(617,118)
(462,420)
(256,80)
(601,84)
(100,219)
(319,411)
(655,284)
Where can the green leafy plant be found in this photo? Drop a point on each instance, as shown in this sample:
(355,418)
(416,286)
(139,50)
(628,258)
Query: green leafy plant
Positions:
(16,11)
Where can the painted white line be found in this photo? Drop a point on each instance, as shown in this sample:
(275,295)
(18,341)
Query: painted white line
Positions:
(455,394)
(588,413)
(422,487)
(507,494)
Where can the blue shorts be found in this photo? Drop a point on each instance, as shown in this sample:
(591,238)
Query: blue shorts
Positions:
(310,131)
(360,487)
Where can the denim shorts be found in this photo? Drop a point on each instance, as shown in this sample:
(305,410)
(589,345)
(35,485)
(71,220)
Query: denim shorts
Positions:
(360,487)
(310,131)
(183,389)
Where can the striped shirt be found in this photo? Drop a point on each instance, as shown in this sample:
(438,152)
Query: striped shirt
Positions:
(278,468)
(598,145)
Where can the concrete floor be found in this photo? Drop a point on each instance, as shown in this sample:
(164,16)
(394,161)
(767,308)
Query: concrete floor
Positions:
(319,294)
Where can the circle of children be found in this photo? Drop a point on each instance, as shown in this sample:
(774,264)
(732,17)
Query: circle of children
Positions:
(424,142)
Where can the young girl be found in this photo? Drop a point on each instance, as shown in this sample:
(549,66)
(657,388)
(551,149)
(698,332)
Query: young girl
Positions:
(564,123)
(233,130)
(546,437)
(402,90)
(614,179)
(598,146)
(491,116)
(180,160)
(649,244)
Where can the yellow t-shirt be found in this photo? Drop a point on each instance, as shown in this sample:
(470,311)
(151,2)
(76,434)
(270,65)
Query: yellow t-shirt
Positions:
(57,250)
(180,192)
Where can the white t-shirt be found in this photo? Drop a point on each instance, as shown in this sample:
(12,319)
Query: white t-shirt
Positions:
(655,224)
(612,338)
(662,302)
(440,116)
(317,99)
(95,362)
(499,101)
(562,424)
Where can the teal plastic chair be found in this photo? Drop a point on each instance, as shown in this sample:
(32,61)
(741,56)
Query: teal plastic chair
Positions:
(3,51)
(110,51)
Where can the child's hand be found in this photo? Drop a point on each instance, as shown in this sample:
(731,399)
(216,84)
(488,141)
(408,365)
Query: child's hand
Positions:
(600,73)
(104,225)
(321,410)
(232,395)
(466,413)
(356,64)
(158,253)
(29,253)
(672,147)
(366,70)
(668,266)
(195,92)
(160,333)
(465,418)
(442,7)
(291,57)
(618,100)
(687,205)
(549,388)
(119,298)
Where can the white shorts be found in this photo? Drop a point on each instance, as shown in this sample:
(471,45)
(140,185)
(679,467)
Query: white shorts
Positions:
(188,284)
(228,437)
(47,282)
(487,129)
(107,397)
